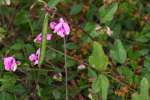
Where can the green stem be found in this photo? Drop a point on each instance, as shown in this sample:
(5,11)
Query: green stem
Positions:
(44,34)
(65,66)
(42,49)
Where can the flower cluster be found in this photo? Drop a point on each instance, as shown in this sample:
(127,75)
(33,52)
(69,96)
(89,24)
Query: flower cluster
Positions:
(34,57)
(60,27)
(10,63)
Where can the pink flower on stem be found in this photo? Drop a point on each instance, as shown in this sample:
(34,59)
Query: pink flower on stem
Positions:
(34,57)
(61,27)
(10,63)
(38,39)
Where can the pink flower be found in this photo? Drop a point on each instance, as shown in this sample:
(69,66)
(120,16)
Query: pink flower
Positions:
(34,57)
(61,28)
(10,64)
(38,39)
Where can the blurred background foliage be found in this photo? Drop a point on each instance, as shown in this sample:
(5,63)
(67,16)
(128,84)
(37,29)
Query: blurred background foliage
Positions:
(127,49)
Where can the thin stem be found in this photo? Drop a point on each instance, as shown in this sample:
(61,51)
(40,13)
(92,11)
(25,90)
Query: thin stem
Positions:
(66,70)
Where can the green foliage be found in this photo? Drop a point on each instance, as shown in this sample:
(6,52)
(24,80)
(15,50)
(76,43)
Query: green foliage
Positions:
(76,9)
(127,73)
(53,3)
(110,62)
(101,86)
(118,52)
(106,14)
(98,59)
(144,91)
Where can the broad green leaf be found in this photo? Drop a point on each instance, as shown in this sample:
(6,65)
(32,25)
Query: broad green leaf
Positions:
(98,59)
(104,86)
(118,53)
(96,85)
(53,3)
(144,89)
(89,26)
(101,85)
(106,13)
(76,9)
(91,73)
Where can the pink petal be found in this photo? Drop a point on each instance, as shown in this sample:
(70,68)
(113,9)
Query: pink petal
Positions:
(61,33)
(32,57)
(61,20)
(14,67)
(66,28)
(38,38)
(10,63)
(52,25)
(38,51)
(57,27)
(36,62)
(49,36)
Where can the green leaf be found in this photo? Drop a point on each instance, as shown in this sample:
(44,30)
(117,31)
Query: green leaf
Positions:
(119,53)
(101,85)
(44,33)
(144,89)
(135,96)
(104,86)
(91,73)
(96,85)
(106,13)
(22,17)
(17,46)
(98,59)
(53,3)
(89,26)
(76,9)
